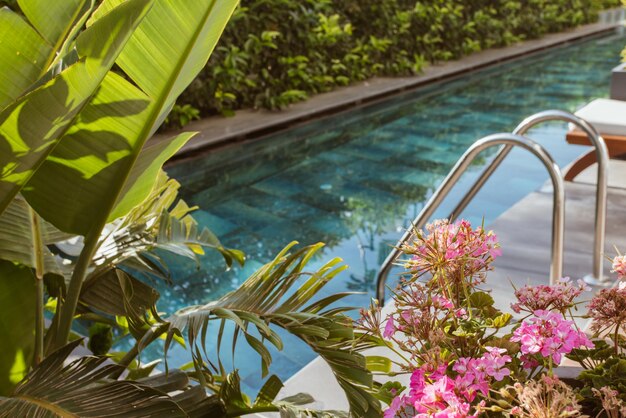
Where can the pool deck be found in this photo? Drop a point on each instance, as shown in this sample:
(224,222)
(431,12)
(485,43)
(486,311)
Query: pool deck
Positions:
(524,232)
(251,124)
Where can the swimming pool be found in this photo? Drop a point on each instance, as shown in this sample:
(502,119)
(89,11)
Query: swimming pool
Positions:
(356,179)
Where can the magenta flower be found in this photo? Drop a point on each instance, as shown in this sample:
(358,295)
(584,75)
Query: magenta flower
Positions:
(398,405)
(390,328)
(550,335)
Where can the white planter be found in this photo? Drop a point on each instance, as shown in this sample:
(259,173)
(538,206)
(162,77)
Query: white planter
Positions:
(618,82)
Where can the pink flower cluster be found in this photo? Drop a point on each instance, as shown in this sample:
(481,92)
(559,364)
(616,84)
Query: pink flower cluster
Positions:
(619,266)
(437,395)
(452,248)
(559,297)
(436,399)
(474,374)
(608,310)
(418,306)
(550,335)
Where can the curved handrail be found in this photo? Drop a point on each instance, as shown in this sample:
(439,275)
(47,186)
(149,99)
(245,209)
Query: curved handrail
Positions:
(506,139)
(602,156)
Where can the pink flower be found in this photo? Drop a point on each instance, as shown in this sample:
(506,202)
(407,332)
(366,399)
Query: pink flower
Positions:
(398,404)
(460,313)
(529,362)
(475,373)
(456,250)
(550,335)
(435,395)
(619,266)
(559,297)
(608,310)
(390,328)
(442,302)
(418,381)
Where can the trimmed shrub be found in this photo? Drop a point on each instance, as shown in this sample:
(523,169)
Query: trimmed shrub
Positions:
(276,52)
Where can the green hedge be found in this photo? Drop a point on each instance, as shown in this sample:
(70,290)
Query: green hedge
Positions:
(275,52)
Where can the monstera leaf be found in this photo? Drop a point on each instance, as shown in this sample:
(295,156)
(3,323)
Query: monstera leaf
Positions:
(272,296)
(43,102)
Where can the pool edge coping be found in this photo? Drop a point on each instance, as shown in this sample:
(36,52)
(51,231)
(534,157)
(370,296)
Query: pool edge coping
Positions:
(247,124)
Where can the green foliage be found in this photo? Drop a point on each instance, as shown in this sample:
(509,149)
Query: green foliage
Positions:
(280,294)
(85,205)
(180,116)
(9,3)
(276,52)
(78,389)
(17,323)
(100,339)
(603,369)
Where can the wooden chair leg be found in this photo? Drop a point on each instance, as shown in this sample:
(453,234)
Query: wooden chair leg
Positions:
(580,165)
(588,159)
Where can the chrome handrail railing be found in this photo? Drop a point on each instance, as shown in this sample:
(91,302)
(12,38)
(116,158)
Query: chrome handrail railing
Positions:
(602,156)
(504,139)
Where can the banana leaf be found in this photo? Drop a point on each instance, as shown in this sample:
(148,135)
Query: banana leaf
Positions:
(104,166)
(31,126)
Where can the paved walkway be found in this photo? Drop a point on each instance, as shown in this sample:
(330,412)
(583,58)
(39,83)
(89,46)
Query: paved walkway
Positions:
(246,124)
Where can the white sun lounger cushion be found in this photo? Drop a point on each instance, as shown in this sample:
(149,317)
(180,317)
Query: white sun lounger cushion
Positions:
(607,116)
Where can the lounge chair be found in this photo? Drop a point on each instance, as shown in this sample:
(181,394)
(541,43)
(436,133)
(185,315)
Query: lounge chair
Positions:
(609,119)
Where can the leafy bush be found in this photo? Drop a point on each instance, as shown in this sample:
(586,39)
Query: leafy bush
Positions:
(276,52)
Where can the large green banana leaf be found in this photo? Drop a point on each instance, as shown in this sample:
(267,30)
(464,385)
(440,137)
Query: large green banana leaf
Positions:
(23,58)
(17,323)
(29,51)
(31,126)
(54,20)
(103,167)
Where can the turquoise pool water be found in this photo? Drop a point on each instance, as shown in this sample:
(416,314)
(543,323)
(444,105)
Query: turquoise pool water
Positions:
(356,179)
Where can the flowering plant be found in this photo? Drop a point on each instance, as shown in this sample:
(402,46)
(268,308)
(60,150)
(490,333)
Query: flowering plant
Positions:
(461,356)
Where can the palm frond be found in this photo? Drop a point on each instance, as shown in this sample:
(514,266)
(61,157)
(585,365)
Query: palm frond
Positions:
(235,403)
(280,294)
(163,222)
(80,389)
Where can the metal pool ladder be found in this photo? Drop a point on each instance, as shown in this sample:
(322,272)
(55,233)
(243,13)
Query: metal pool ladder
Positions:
(508,142)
